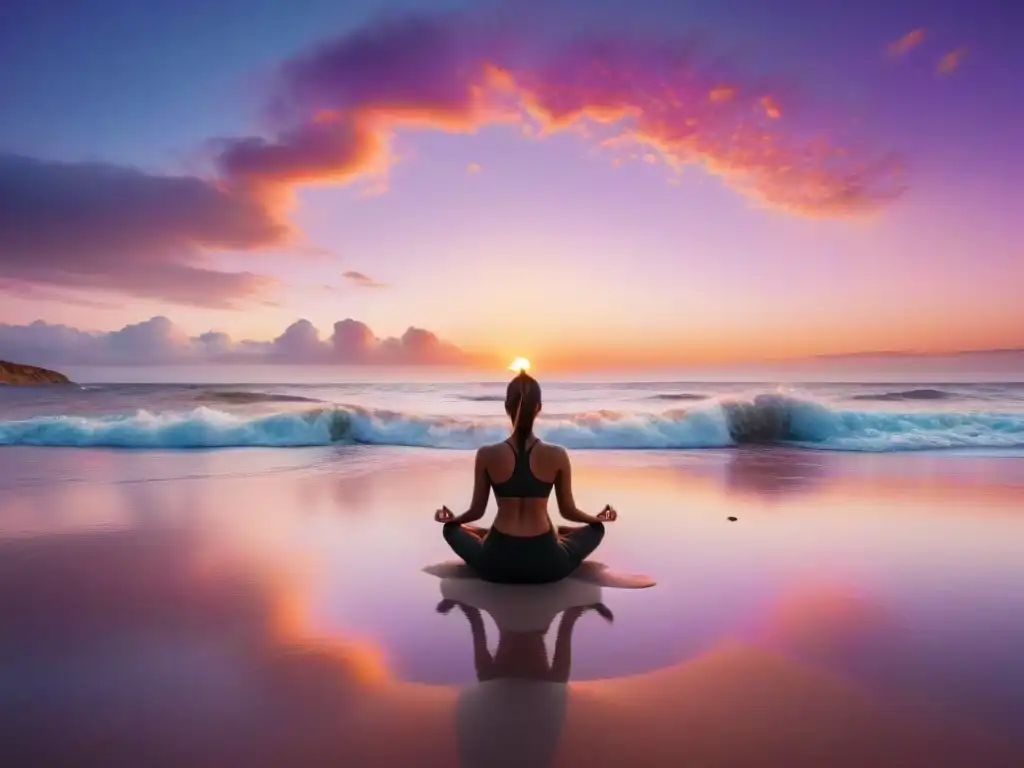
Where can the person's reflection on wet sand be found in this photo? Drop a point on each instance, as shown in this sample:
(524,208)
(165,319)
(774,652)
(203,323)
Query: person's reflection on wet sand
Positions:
(523,655)
(515,714)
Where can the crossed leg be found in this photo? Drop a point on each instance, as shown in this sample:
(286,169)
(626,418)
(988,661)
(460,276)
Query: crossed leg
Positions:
(467,541)
(580,541)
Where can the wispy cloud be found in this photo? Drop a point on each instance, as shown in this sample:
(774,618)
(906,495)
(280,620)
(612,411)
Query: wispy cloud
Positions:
(118,229)
(362,280)
(100,226)
(474,168)
(951,61)
(445,73)
(771,108)
(34,292)
(721,93)
(907,43)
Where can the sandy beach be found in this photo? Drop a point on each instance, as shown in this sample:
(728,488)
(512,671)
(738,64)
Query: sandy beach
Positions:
(268,607)
(288,288)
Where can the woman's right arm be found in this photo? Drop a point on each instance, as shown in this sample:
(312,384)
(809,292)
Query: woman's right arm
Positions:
(563,492)
(481,492)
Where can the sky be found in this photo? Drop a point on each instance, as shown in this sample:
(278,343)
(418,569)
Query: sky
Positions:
(587,184)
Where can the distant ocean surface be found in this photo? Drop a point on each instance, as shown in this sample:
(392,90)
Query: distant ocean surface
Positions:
(647,415)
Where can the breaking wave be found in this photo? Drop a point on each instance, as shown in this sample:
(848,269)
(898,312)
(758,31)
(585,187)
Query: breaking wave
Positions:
(246,398)
(679,396)
(908,394)
(766,419)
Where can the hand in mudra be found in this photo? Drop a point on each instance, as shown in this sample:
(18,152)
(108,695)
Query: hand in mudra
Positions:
(444,515)
(608,514)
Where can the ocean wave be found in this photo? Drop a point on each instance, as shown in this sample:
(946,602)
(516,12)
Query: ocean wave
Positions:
(766,419)
(908,394)
(247,398)
(680,396)
(481,398)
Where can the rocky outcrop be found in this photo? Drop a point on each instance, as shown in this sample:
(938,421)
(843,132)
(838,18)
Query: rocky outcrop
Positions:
(29,375)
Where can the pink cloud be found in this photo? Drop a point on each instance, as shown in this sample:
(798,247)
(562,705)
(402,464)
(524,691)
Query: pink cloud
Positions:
(327,149)
(951,61)
(440,73)
(362,280)
(108,228)
(118,229)
(721,93)
(907,43)
(33,292)
(159,341)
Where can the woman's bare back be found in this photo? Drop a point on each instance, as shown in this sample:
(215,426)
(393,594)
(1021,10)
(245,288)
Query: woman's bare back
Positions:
(523,516)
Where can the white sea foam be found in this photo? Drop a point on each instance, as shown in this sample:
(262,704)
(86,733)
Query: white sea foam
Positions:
(767,419)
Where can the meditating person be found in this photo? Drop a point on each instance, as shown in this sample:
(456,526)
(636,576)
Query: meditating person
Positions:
(523,546)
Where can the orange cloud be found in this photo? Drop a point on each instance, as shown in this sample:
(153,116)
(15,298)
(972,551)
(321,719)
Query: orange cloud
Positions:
(951,61)
(335,150)
(771,108)
(474,168)
(340,106)
(907,43)
(348,98)
(721,93)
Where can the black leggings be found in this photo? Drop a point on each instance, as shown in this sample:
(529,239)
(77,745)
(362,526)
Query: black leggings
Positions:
(496,556)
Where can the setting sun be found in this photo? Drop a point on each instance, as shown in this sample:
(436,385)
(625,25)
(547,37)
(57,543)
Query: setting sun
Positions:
(519,365)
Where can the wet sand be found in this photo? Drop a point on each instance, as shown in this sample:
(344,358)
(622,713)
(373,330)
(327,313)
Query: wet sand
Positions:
(262,607)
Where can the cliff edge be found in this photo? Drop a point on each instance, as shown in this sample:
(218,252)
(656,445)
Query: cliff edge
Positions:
(28,375)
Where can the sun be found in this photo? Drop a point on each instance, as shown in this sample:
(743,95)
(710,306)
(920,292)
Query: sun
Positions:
(519,365)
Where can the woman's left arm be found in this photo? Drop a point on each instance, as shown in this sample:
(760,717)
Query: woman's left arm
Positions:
(481,491)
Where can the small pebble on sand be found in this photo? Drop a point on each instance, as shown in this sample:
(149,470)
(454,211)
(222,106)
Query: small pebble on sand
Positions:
(733,519)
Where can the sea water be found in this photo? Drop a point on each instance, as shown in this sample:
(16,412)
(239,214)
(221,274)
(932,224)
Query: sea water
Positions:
(643,415)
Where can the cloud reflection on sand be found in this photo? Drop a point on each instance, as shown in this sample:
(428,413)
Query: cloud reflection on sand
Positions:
(240,619)
(127,652)
(130,648)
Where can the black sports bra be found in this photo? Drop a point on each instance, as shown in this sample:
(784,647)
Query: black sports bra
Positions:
(523,484)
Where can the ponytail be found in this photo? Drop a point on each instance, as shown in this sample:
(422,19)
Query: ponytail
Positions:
(522,399)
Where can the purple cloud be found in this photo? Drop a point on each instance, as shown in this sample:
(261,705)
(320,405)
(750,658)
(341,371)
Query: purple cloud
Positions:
(33,292)
(416,63)
(949,63)
(662,100)
(300,341)
(118,229)
(102,227)
(326,149)
(362,280)
(908,42)
(158,341)
(353,340)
